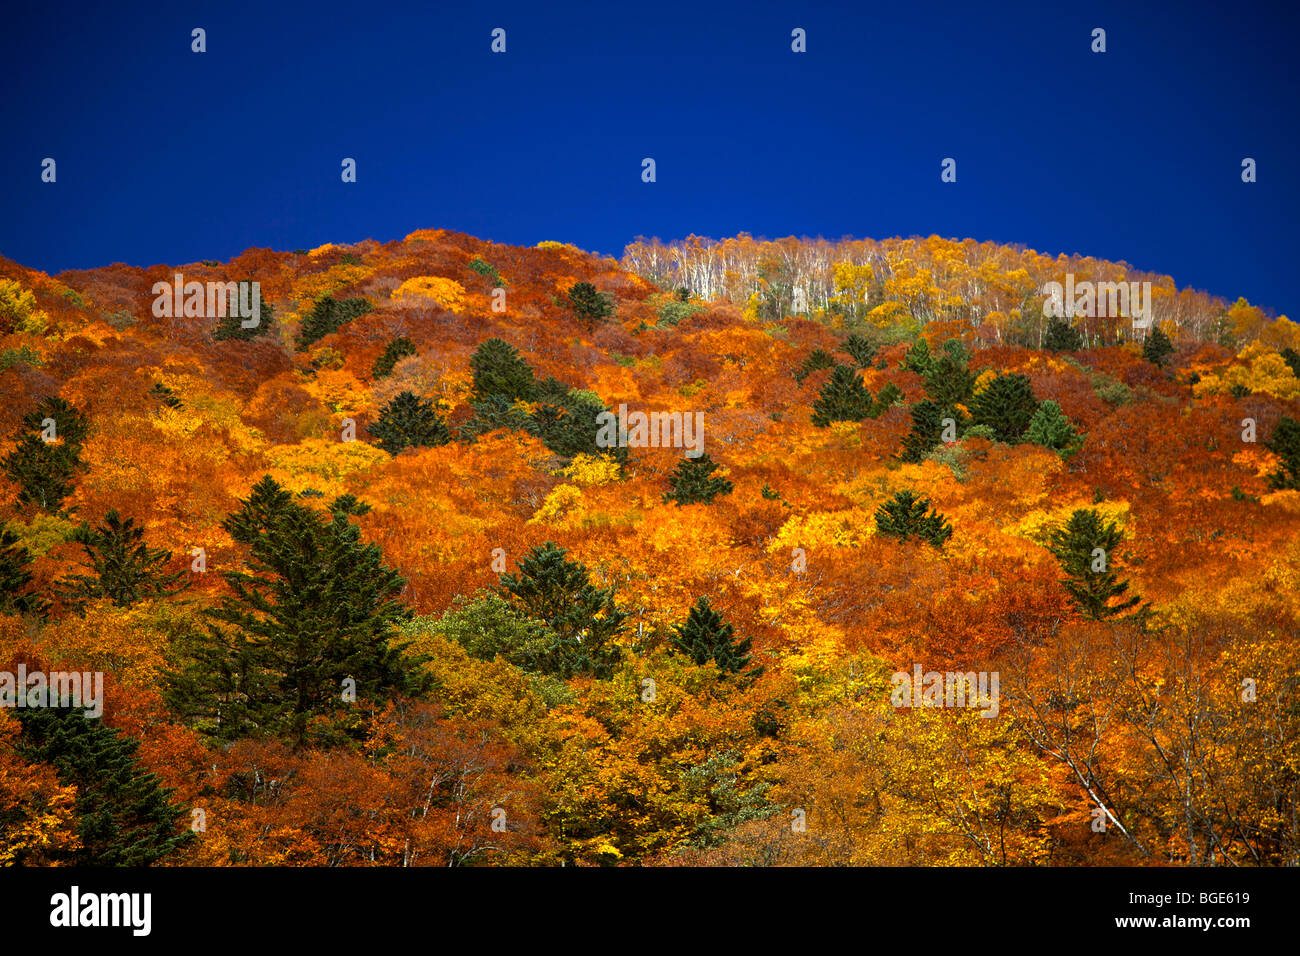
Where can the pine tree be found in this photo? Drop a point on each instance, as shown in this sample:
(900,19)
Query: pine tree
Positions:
(1062,337)
(409,421)
(165,395)
(1052,429)
(1285,442)
(859,349)
(16,577)
(327,316)
(843,399)
(692,482)
(918,358)
(124,816)
(588,304)
(904,516)
(1007,405)
(1085,549)
(312,607)
(43,470)
(499,372)
(231,326)
(889,396)
(1157,347)
(706,637)
(817,360)
(393,353)
(948,379)
(583,621)
(927,429)
(1292,359)
(126,570)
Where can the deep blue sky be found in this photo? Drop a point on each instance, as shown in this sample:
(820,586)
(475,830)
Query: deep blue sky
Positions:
(170,156)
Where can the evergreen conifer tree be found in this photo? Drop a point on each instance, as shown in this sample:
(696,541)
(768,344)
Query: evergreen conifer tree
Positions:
(843,398)
(706,637)
(818,359)
(1285,442)
(905,516)
(859,349)
(499,372)
(1062,337)
(1085,549)
(393,353)
(126,570)
(918,358)
(1052,429)
(588,304)
(1157,347)
(327,316)
(1007,405)
(231,325)
(693,482)
(927,429)
(16,596)
(43,470)
(889,396)
(314,606)
(583,621)
(948,379)
(124,816)
(409,421)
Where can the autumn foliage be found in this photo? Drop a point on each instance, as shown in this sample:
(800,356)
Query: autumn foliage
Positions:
(366,590)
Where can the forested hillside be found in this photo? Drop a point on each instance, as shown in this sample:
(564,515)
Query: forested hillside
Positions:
(367,587)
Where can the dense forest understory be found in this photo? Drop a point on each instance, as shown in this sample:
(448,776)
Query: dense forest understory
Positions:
(367,584)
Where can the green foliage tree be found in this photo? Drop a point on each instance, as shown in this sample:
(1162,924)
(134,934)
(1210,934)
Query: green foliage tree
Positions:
(843,399)
(859,349)
(705,637)
(1007,405)
(489,626)
(499,372)
(583,621)
(905,516)
(327,316)
(1292,359)
(409,421)
(588,304)
(927,429)
(1285,442)
(393,353)
(1062,337)
(44,470)
(918,358)
(124,816)
(125,569)
(165,396)
(948,379)
(1052,429)
(818,359)
(231,325)
(16,595)
(889,396)
(692,482)
(1157,347)
(1085,549)
(312,607)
